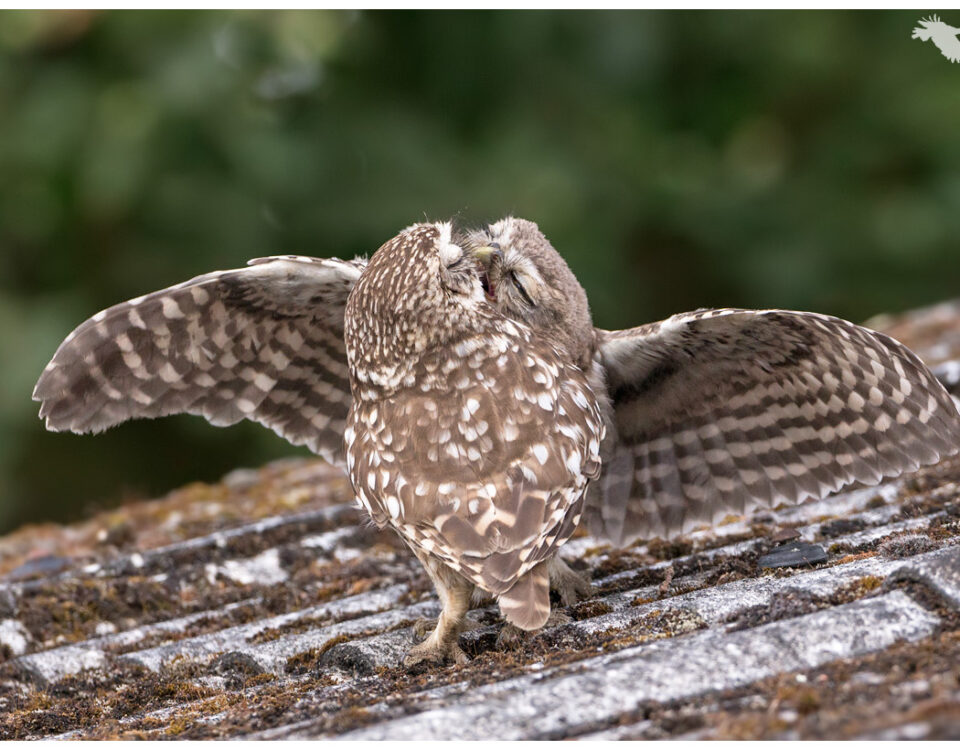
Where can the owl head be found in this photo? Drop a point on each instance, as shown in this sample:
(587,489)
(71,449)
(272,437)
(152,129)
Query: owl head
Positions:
(420,290)
(527,280)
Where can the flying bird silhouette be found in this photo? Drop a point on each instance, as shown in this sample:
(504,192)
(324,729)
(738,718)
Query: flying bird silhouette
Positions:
(942,35)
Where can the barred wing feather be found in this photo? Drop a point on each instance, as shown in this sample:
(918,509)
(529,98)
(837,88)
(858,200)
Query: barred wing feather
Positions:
(263,342)
(719,411)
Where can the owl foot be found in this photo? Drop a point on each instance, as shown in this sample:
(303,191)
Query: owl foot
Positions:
(436,653)
(511,637)
(570,585)
(425,625)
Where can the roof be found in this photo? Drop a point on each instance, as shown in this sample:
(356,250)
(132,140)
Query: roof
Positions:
(266,607)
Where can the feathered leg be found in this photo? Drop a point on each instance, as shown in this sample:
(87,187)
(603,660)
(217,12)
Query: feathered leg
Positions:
(454,591)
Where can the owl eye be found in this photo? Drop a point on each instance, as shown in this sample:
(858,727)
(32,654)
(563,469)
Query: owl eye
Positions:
(523,292)
(456,262)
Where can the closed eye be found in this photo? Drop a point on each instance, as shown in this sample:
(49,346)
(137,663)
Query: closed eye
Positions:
(523,292)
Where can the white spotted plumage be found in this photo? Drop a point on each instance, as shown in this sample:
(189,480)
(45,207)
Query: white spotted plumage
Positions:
(490,478)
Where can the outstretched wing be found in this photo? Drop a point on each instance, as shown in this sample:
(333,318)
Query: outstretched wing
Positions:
(263,343)
(719,411)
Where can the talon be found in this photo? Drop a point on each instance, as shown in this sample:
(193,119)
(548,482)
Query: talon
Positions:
(458,656)
(428,652)
(571,594)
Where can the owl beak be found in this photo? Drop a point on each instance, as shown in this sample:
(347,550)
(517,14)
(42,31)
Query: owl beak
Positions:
(485,253)
(488,256)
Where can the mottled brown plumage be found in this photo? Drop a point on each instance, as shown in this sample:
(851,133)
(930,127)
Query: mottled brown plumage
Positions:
(720,411)
(471,436)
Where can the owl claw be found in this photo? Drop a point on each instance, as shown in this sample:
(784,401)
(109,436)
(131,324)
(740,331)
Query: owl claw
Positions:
(441,644)
(433,653)
(423,627)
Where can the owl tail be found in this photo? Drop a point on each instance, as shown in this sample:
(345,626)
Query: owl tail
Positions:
(526,604)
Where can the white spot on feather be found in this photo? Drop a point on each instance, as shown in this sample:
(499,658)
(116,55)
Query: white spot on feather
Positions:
(393,506)
(540,451)
(200,295)
(168,374)
(264,382)
(171,310)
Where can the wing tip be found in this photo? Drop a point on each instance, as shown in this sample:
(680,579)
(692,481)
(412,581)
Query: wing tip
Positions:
(52,425)
(42,386)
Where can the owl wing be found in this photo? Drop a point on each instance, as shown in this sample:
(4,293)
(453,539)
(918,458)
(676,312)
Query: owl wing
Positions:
(719,411)
(933,334)
(263,342)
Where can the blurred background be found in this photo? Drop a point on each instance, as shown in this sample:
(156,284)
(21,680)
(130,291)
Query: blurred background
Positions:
(678,160)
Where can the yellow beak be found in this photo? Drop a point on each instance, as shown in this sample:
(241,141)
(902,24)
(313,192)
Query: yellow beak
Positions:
(485,253)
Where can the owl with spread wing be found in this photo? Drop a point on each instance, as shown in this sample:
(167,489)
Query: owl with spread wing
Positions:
(478,411)
(467,432)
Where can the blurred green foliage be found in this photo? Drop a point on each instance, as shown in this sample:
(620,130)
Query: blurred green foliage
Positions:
(806,160)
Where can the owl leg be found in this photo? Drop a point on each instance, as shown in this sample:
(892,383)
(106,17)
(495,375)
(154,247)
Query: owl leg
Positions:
(454,592)
(570,585)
